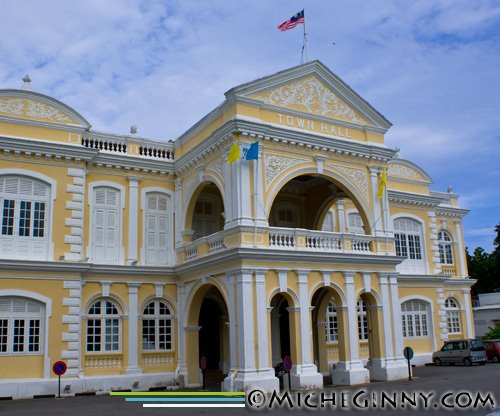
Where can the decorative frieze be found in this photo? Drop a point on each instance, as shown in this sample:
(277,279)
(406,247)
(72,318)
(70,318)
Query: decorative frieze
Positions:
(358,177)
(274,165)
(20,107)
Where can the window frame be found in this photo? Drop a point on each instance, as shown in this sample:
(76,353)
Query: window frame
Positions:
(410,243)
(102,317)
(157,317)
(453,318)
(446,255)
(51,193)
(415,323)
(331,322)
(362,318)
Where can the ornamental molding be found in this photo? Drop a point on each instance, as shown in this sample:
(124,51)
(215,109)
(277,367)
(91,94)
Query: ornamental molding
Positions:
(274,165)
(311,95)
(356,176)
(189,187)
(20,107)
(396,169)
(218,167)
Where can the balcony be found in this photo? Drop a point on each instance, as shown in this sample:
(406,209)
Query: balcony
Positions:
(277,238)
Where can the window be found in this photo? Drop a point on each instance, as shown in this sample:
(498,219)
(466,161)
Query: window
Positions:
(452,316)
(362,320)
(355,223)
(105,225)
(20,326)
(408,241)
(414,316)
(157,230)
(329,221)
(103,326)
(157,327)
(331,323)
(445,248)
(24,206)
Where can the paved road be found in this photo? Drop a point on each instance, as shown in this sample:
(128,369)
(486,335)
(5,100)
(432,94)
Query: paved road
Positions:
(435,381)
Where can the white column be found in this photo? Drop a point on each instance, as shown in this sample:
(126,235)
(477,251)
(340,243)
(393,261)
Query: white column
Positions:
(133,326)
(263,342)
(260,213)
(178,210)
(468,315)
(396,318)
(378,220)
(386,313)
(305,320)
(245,321)
(352,317)
(352,371)
(181,334)
(341,214)
(386,213)
(133,218)
(461,251)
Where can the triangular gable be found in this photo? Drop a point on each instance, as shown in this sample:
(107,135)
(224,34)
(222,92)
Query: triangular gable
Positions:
(27,105)
(313,89)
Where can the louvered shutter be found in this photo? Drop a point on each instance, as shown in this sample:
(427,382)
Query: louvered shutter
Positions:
(156,228)
(105,226)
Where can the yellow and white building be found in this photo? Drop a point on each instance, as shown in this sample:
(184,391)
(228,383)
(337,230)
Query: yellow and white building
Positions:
(129,258)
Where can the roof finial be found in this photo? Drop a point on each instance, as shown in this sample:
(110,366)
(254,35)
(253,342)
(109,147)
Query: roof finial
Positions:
(450,189)
(27,83)
(133,129)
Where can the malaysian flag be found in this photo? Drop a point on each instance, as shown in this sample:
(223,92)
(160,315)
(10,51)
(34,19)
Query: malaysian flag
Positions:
(292,22)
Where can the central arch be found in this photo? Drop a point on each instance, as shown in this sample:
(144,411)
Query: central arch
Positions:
(302,200)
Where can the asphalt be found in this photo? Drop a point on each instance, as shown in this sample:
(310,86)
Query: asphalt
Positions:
(448,391)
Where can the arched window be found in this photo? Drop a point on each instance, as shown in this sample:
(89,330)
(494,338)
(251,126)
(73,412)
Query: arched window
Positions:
(157,327)
(414,315)
(362,320)
(106,225)
(157,229)
(20,326)
(103,326)
(408,239)
(355,223)
(329,221)
(24,204)
(452,316)
(445,247)
(205,217)
(331,323)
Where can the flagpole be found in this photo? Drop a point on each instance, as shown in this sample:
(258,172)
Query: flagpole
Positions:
(304,44)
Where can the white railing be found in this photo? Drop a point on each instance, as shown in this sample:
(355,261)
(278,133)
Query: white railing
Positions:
(283,238)
(216,245)
(360,244)
(191,253)
(323,241)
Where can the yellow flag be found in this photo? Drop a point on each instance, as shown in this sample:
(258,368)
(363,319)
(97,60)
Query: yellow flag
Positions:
(382,185)
(234,153)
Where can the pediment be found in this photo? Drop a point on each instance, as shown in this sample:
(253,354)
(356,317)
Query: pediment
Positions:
(35,107)
(313,90)
(312,96)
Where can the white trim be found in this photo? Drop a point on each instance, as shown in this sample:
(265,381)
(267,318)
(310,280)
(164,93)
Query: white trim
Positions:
(424,239)
(431,331)
(53,196)
(48,313)
(90,202)
(170,212)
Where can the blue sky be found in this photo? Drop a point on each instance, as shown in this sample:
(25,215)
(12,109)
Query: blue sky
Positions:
(431,67)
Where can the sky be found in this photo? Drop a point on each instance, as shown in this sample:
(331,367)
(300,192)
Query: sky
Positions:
(429,66)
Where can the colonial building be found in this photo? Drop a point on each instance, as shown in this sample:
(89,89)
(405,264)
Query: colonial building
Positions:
(129,258)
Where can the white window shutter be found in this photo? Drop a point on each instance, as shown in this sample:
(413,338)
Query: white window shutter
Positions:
(105,226)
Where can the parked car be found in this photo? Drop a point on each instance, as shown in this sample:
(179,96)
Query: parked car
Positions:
(465,351)
(492,347)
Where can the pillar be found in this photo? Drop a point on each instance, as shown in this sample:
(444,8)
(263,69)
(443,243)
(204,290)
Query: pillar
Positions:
(133,219)
(133,328)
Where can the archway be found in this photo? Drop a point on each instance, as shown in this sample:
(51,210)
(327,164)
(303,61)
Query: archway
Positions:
(207,335)
(370,330)
(329,323)
(282,322)
(305,200)
(205,213)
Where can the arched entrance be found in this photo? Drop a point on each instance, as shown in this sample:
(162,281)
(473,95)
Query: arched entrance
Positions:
(207,335)
(280,329)
(329,344)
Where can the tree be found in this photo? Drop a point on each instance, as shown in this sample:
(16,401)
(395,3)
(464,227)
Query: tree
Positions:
(485,267)
(493,333)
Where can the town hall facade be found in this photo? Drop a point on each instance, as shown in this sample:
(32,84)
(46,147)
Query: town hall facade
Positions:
(129,258)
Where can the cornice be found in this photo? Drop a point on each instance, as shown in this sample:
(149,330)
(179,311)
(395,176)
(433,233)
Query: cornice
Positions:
(46,149)
(255,129)
(136,163)
(451,211)
(413,199)
(35,123)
